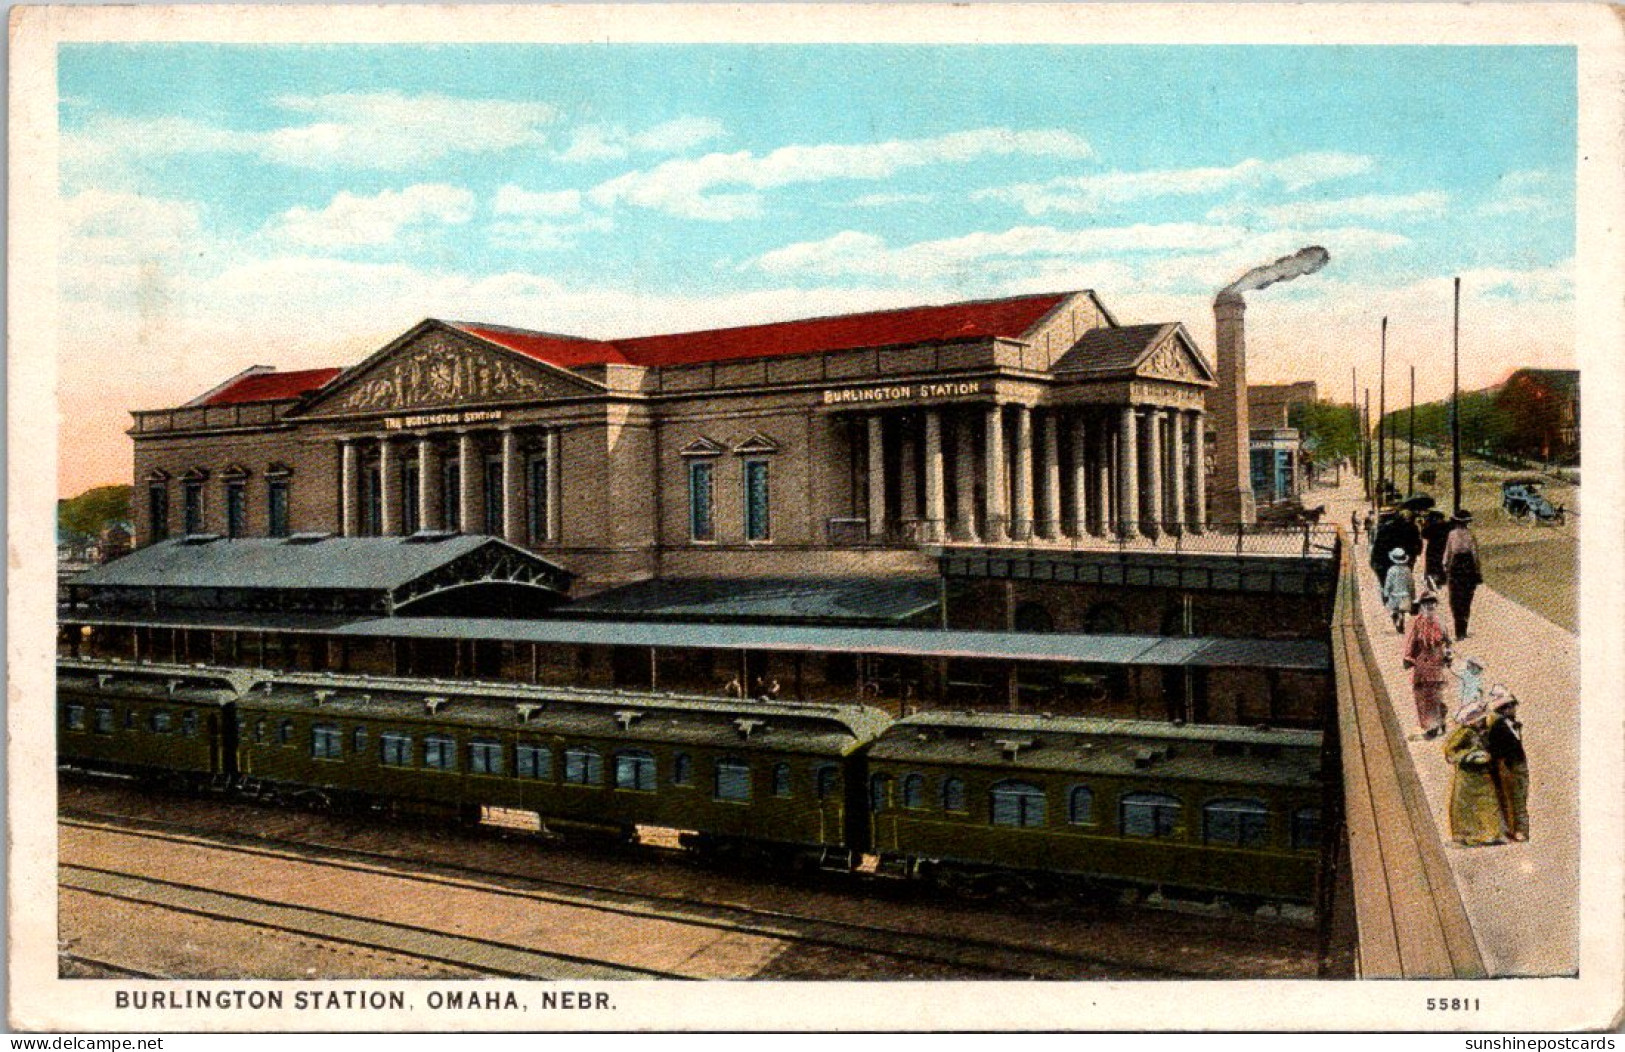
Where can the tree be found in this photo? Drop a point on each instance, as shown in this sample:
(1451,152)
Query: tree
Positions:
(1334,428)
(94,510)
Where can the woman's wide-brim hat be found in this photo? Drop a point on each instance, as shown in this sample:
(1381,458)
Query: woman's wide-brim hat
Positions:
(1398,556)
(1429,594)
(1471,712)
(1501,698)
(1463,515)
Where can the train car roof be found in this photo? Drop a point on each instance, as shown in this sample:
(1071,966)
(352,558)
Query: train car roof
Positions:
(188,683)
(1095,725)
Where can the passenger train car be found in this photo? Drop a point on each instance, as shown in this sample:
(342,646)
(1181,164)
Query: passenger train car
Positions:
(978,802)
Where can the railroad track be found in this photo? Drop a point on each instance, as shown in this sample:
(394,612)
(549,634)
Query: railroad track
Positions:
(987,958)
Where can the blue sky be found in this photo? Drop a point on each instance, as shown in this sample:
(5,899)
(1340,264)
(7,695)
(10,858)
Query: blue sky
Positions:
(298,206)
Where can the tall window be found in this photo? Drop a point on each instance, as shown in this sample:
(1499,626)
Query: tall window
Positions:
(372,501)
(1239,823)
(635,769)
(583,766)
(541,509)
(1153,815)
(493,497)
(440,752)
(104,719)
(1018,804)
(74,716)
(757,521)
(879,792)
(781,779)
(1080,806)
(193,497)
(395,749)
(411,480)
(701,525)
(533,761)
(276,503)
(1306,828)
(682,769)
(733,780)
(914,790)
(953,795)
(325,742)
(828,780)
(236,509)
(158,510)
(451,495)
(485,756)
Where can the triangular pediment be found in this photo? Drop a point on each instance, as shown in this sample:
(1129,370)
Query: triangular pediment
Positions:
(1173,356)
(756,443)
(702,447)
(437,367)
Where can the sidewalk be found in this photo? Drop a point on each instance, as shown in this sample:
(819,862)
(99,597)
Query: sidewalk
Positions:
(1522,898)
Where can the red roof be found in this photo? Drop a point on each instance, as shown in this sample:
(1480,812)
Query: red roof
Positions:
(271,387)
(891,328)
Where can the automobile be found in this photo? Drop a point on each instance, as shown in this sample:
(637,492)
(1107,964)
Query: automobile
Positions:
(1522,499)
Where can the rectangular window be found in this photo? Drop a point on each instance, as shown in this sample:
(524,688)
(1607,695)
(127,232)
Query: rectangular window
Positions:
(541,511)
(701,525)
(411,480)
(493,497)
(236,509)
(533,761)
(158,511)
(276,503)
(733,780)
(440,752)
(451,496)
(372,502)
(159,721)
(583,767)
(395,749)
(325,742)
(194,507)
(757,522)
(74,717)
(104,720)
(485,756)
(635,770)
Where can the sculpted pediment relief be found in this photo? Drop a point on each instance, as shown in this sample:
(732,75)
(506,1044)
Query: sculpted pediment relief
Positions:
(439,369)
(1172,360)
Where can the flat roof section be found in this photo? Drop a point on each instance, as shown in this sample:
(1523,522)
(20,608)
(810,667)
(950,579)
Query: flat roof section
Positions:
(820,599)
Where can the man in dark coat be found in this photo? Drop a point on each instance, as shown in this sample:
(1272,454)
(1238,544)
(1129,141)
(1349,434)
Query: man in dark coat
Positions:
(1396,529)
(1435,532)
(1461,570)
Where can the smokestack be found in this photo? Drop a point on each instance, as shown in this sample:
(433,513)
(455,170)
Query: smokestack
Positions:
(1230,490)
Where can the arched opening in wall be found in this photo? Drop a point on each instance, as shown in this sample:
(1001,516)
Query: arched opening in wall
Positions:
(1105,619)
(1033,617)
(1184,693)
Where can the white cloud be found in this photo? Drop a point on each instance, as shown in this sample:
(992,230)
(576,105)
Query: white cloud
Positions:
(688,186)
(1370,206)
(604,142)
(886,200)
(545,235)
(350,219)
(1531,192)
(513,201)
(1089,193)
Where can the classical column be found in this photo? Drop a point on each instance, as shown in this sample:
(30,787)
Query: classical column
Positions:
(1103,475)
(1021,488)
(965,479)
(1128,470)
(996,470)
(908,475)
(469,478)
(555,484)
(877,477)
(513,519)
(389,489)
(1078,514)
(1198,470)
(1049,520)
(429,484)
(349,480)
(1178,452)
(1153,470)
(936,512)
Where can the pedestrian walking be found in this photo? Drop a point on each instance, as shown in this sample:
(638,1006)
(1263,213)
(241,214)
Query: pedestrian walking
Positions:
(1435,533)
(1461,569)
(1397,588)
(1509,767)
(1428,656)
(1382,542)
(1475,809)
(1354,524)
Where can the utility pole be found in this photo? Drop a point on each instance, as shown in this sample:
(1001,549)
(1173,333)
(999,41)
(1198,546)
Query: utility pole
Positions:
(1382,409)
(1354,399)
(1365,446)
(1410,481)
(1455,403)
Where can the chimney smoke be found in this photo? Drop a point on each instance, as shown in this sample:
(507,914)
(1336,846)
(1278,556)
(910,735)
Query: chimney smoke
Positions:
(1302,262)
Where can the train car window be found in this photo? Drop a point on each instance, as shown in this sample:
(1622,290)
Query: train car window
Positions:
(781,779)
(73,717)
(532,761)
(1019,804)
(1080,806)
(440,752)
(284,733)
(104,720)
(485,756)
(358,741)
(189,723)
(326,742)
(583,766)
(395,749)
(953,795)
(635,769)
(1306,828)
(1152,815)
(828,780)
(1240,823)
(879,792)
(129,719)
(733,780)
(682,769)
(914,790)
(259,730)
(159,721)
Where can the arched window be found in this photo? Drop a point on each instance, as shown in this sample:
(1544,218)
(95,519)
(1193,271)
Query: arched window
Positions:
(284,733)
(1080,806)
(914,790)
(953,795)
(1151,815)
(1018,804)
(358,741)
(635,769)
(828,778)
(1105,619)
(733,779)
(1239,823)
(781,779)
(1306,828)
(583,766)
(1033,617)
(879,792)
(682,769)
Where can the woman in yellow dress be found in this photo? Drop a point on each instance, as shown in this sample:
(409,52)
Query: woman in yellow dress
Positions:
(1475,808)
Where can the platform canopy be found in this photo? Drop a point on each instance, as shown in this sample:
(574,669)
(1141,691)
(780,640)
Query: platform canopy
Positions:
(427,573)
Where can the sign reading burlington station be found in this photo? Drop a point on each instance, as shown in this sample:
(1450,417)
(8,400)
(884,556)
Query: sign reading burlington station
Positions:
(901,392)
(473,416)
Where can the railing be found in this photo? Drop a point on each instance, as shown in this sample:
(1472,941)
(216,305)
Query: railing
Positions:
(1210,539)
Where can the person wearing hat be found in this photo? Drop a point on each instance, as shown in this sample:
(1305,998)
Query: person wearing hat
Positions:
(1397,588)
(1509,768)
(1435,532)
(1475,809)
(1428,656)
(1396,529)
(1461,569)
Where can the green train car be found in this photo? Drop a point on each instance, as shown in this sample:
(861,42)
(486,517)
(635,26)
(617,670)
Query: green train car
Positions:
(167,723)
(1029,803)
